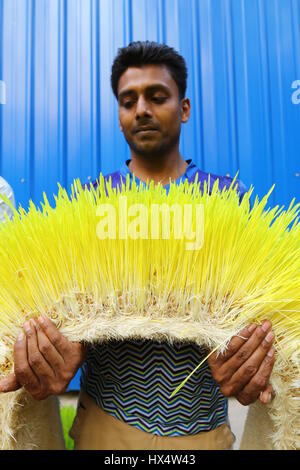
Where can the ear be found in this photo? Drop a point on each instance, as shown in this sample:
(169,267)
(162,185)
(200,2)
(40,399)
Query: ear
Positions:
(185,110)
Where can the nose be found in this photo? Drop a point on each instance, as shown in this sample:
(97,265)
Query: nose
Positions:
(142,108)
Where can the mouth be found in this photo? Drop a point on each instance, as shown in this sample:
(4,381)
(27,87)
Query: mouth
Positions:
(146,131)
(143,130)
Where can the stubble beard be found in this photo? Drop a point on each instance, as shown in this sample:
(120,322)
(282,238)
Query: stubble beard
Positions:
(153,151)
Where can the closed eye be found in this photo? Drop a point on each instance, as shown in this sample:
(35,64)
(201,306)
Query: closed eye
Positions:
(159,99)
(128,104)
(156,99)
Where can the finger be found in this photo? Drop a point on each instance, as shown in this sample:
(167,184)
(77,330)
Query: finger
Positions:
(9,384)
(247,370)
(247,349)
(234,345)
(36,360)
(60,343)
(49,352)
(22,369)
(259,382)
(267,395)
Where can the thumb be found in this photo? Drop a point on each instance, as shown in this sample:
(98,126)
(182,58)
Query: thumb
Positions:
(9,384)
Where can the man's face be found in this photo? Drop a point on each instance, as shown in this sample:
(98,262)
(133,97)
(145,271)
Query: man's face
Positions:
(150,111)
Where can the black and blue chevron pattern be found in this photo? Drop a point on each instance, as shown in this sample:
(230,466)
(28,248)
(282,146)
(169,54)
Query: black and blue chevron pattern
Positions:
(133,381)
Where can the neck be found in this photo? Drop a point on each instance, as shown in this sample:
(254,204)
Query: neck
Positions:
(158,169)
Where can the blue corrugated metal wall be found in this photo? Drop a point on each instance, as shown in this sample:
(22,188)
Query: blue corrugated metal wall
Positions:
(60,119)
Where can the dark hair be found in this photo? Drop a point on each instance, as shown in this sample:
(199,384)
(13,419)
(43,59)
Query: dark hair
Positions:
(140,53)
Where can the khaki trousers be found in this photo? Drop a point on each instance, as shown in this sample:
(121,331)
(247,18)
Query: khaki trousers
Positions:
(94,429)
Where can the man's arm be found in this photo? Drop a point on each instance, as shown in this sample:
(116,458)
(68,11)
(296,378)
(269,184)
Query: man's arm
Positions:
(244,370)
(44,360)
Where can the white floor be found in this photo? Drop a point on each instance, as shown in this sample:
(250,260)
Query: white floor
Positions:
(237,414)
(237,417)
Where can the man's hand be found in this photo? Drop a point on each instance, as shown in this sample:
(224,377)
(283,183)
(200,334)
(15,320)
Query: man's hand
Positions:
(244,370)
(45,361)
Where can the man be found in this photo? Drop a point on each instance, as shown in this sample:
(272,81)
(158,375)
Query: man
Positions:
(125,386)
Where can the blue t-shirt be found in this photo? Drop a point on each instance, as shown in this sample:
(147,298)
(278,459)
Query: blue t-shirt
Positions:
(133,380)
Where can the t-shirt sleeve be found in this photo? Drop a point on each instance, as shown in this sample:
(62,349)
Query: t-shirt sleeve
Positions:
(242,189)
(6,190)
(239,186)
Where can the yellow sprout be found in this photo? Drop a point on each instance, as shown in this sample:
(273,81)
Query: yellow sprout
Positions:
(102,267)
